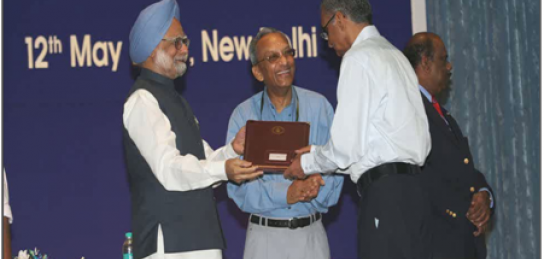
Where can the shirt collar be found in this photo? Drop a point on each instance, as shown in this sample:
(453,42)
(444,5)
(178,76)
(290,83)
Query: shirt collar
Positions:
(426,93)
(269,103)
(150,75)
(369,31)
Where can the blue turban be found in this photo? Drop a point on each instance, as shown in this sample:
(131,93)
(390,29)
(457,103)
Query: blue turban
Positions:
(150,28)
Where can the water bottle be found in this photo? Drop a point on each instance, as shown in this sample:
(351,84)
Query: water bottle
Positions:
(127,246)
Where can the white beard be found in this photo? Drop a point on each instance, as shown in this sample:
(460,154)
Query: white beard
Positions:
(166,63)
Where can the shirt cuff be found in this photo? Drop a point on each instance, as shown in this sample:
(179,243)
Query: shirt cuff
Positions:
(229,152)
(279,195)
(217,170)
(490,196)
(306,162)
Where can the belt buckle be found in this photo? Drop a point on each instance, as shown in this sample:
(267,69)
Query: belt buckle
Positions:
(293,223)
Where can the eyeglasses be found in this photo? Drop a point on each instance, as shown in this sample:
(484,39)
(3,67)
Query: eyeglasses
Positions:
(275,57)
(179,42)
(325,33)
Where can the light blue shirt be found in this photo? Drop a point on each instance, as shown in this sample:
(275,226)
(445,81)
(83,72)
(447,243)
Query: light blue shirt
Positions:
(267,195)
(430,98)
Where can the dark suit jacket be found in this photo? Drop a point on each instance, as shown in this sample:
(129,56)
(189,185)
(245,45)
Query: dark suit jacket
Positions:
(451,179)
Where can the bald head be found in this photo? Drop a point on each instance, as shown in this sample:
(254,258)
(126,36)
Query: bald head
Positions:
(429,58)
(421,44)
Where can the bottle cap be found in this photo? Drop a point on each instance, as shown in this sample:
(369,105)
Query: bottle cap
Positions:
(128,235)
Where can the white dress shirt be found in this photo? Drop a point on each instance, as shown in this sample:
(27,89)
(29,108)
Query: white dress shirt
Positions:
(380,117)
(152,134)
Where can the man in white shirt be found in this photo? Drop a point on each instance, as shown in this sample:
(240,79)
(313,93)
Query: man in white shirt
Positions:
(379,135)
(171,169)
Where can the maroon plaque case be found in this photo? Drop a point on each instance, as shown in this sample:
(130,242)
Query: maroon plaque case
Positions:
(271,145)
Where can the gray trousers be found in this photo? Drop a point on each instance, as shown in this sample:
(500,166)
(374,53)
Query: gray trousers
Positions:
(309,242)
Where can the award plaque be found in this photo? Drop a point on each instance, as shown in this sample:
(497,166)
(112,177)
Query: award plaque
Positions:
(271,145)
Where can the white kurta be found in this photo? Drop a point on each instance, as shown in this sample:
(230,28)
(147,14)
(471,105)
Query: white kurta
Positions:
(152,134)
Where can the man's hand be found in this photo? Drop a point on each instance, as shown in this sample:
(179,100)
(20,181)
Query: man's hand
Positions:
(305,190)
(239,171)
(295,170)
(303,150)
(239,141)
(479,212)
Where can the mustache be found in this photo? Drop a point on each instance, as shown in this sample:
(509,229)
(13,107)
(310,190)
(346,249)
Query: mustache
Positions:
(181,58)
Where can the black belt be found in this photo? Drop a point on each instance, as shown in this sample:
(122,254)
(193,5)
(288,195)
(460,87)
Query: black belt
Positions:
(286,223)
(384,170)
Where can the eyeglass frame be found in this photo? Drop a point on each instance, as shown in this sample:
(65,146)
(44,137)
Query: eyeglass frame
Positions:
(325,32)
(179,41)
(282,53)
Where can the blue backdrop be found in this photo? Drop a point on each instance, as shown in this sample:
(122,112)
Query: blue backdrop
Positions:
(66,76)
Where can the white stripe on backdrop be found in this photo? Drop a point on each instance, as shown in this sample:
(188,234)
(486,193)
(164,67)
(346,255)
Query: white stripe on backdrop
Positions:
(419,16)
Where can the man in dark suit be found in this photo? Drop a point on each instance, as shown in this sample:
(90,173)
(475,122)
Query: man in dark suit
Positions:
(461,199)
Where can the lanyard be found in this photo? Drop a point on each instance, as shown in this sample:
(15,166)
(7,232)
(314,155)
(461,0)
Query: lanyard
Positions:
(262,103)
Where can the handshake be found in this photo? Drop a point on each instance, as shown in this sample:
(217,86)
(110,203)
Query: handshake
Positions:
(305,190)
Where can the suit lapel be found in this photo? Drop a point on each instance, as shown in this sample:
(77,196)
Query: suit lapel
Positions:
(437,120)
(454,126)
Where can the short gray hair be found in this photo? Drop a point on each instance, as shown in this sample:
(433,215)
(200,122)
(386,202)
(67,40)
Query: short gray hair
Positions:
(358,11)
(262,32)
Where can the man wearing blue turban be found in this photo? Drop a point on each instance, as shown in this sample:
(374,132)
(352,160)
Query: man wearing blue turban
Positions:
(171,170)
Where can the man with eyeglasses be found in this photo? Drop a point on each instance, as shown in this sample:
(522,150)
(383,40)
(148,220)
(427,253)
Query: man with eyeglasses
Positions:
(171,170)
(380,136)
(285,220)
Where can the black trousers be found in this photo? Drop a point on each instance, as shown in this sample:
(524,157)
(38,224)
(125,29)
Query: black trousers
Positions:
(394,219)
